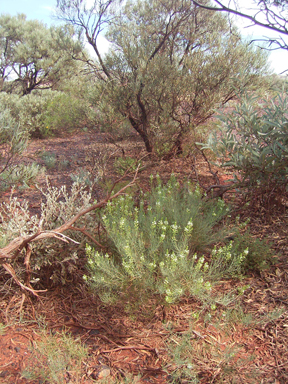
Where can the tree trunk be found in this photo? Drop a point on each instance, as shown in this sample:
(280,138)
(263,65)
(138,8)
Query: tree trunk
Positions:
(176,150)
(143,134)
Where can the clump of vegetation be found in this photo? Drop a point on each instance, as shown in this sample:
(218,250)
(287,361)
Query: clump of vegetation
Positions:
(124,164)
(254,145)
(45,113)
(54,260)
(49,159)
(157,248)
(260,256)
(13,141)
(55,358)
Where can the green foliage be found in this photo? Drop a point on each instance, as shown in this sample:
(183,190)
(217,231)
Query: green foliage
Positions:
(34,56)
(2,329)
(27,111)
(174,64)
(65,112)
(53,356)
(260,256)
(124,164)
(54,259)
(189,354)
(153,247)
(254,144)
(44,113)
(20,176)
(49,159)
(13,141)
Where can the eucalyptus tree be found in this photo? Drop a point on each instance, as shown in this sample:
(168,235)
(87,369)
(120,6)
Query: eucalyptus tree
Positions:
(33,56)
(170,64)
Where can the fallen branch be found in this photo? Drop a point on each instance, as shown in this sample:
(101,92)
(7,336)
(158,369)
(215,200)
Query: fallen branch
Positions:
(12,250)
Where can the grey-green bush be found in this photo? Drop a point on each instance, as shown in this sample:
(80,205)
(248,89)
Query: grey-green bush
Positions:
(253,143)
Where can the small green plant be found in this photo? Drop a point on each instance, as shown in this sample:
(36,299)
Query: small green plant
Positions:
(195,357)
(64,112)
(124,164)
(20,175)
(260,255)
(55,358)
(2,329)
(54,262)
(155,249)
(49,159)
(83,176)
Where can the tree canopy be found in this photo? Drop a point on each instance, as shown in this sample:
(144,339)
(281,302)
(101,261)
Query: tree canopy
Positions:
(170,65)
(33,56)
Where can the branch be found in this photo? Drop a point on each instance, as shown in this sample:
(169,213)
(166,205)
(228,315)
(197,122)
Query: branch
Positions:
(223,8)
(12,250)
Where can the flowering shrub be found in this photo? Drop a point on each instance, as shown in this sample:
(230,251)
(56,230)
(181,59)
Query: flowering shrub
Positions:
(155,247)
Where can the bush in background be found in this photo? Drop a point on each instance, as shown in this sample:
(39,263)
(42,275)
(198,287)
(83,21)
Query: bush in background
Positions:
(253,144)
(44,113)
(13,141)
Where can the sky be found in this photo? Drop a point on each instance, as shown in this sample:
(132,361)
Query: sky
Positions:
(43,9)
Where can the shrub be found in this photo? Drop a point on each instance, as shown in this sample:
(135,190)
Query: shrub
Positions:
(49,159)
(64,113)
(43,113)
(27,110)
(20,175)
(13,138)
(260,256)
(253,143)
(13,141)
(155,248)
(52,259)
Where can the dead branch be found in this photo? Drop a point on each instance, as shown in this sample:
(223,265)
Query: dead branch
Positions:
(12,250)
(87,234)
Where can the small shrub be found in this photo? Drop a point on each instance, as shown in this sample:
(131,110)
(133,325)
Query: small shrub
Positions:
(13,139)
(84,177)
(153,247)
(55,358)
(2,329)
(49,159)
(53,260)
(194,360)
(28,111)
(64,113)
(259,257)
(44,113)
(23,175)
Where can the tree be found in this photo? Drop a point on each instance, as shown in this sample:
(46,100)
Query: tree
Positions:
(270,14)
(171,64)
(33,56)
